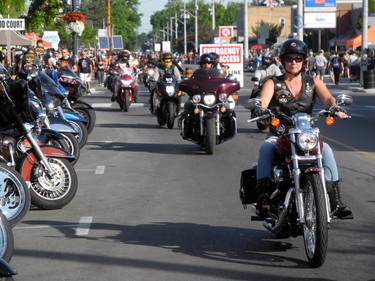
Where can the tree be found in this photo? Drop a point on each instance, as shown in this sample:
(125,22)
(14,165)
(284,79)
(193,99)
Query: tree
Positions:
(13,8)
(275,31)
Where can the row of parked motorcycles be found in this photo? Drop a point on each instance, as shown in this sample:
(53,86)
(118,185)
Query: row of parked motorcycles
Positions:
(43,126)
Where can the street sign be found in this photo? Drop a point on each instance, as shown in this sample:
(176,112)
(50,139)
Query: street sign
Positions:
(229,54)
(225,32)
(12,24)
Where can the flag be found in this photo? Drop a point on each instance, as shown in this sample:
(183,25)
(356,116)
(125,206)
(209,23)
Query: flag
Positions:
(272,7)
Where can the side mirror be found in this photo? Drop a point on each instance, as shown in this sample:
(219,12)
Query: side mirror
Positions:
(344,100)
(253,104)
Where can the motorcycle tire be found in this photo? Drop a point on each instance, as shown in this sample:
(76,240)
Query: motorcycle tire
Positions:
(170,115)
(82,135)
(126,102)
(315,229)
(14,195)
(73,146)
(210,140)
(53,193)
(6,239)
(90,116)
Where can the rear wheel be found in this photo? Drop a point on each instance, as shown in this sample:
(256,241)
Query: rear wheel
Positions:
(210,136)
(315,229)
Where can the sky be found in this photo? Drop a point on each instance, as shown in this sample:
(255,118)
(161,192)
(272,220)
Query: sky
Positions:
(149,7)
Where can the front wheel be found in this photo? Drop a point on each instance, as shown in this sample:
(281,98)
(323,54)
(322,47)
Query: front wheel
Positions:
(6,239)
(126,102)
(52,192)
(315,229)
(210,136)
(14,195)
(90,116)
(82,135)
(170,115)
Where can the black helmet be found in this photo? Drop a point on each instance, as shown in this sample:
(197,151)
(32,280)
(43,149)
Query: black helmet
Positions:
(125,55)
(206,58)
(270,56)
(215,56)
(293,46)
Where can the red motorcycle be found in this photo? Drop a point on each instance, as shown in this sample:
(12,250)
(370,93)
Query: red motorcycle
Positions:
(211,119)
(126,87)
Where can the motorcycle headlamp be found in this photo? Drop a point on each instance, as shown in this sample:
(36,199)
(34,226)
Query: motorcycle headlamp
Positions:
(307,140)
(196,99)
(209,99)
(126,83)
(223,97)
(169,90)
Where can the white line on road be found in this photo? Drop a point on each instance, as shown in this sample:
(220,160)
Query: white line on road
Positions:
(99,170)
(83,226)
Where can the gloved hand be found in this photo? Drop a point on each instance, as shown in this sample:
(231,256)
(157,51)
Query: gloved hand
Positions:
(339,109)
(258,112)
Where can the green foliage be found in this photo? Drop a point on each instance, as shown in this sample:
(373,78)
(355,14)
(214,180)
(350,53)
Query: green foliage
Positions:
(13,8)
(125,21)
(42,13)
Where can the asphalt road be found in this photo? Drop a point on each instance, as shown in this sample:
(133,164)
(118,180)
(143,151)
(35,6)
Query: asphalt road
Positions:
(154,207)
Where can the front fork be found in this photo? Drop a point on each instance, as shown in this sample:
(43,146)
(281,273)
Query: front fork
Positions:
(203,116)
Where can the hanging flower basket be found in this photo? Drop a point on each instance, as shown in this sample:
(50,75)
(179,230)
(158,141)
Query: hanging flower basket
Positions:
(75,22)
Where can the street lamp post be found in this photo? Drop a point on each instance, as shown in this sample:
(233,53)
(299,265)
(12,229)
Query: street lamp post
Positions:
(196,23)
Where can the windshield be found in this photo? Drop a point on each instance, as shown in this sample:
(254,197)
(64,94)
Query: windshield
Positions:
(206,73)
(67,71)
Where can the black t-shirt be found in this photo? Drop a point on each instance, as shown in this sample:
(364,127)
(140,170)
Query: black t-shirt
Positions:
(84,65)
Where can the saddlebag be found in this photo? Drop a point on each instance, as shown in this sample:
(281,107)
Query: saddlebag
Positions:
(248,192)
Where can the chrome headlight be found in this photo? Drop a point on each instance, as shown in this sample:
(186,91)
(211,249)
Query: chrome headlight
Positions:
(169,90)
(308,140)
(209,99)
(196,99)
(223,97)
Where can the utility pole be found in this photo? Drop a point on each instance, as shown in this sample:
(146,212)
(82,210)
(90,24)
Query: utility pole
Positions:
(213,20)
(109,29)
(246,30)
(196,27)
(364,39)
(75,35)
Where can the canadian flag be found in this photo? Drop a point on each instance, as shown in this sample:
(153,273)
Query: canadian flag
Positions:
(272,7)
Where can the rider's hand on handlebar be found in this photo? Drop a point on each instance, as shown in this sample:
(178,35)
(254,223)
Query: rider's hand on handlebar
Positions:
(259,112)
(340,112)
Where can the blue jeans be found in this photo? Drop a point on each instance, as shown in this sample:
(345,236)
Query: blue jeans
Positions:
(267,152)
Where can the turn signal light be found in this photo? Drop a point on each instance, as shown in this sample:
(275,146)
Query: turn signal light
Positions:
(222,109)
(275,122)
(330,120)
(159,93)
(235,96)
(179,93)
(196,110)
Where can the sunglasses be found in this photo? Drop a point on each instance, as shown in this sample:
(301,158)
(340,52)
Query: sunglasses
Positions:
(291,59)
(207,63)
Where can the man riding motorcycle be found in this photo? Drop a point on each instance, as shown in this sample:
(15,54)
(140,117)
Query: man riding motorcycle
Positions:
(122,66)
(293,92)
(162,67)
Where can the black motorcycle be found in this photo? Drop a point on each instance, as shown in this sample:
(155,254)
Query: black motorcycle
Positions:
(167,100)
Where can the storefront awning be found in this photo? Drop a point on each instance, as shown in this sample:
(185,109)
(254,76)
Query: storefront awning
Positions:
(357,41)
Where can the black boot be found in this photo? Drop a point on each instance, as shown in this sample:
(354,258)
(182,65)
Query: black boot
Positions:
(338,208)
(113,98)
(265,189)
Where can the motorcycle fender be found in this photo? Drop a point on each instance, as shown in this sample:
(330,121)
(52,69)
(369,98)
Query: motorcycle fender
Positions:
(81,104)
(52,133)
(61,125)
(26,164)
(74,117)
(310,170)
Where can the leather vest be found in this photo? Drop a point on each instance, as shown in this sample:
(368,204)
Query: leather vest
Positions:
(288,104)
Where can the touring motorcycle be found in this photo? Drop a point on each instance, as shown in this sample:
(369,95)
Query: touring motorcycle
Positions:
(299,206)
(167,99)
(211,119)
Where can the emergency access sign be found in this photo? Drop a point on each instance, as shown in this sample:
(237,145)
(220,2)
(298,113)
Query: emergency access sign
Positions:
(229,54)
(12,24)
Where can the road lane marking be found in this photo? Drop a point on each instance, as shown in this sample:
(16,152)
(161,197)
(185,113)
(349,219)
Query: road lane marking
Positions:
(83,227)
(99,170)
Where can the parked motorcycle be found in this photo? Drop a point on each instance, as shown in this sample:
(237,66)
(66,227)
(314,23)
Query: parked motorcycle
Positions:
(212,119)
(6,246)
(299,206)
(167,100)
(76,88)
(126,88)
(53,180)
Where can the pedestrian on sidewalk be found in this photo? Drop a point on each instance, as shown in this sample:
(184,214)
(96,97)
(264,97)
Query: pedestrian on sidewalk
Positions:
(85,69)
(337,66)
(321,64)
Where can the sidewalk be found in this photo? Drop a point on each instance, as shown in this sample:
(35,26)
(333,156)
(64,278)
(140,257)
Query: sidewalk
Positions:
(346,85)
